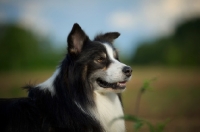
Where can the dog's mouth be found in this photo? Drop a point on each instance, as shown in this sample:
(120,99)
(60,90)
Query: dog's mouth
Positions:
(116,85)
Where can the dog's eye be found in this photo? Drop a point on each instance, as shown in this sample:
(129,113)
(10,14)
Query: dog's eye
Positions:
(100,59)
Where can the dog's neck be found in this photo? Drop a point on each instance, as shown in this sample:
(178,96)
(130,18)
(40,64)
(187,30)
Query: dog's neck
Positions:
(108,108)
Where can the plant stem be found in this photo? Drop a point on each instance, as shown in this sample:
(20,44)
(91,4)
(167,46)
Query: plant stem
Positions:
(137,103)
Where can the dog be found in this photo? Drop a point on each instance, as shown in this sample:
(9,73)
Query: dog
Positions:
(82,95)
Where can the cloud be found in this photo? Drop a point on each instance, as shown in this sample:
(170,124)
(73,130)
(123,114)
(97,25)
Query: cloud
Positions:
(161,17)
(49,17)
(153,17)
(121,20)
(32,17)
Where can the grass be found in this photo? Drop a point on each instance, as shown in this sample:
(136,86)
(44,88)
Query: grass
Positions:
(138,122)
(11,83)
(175,95)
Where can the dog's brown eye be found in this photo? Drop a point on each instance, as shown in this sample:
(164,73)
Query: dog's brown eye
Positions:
(100,59)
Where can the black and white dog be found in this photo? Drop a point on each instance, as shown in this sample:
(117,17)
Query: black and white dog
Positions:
(83,94)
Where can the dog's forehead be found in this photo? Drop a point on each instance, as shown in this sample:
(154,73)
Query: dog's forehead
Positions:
(106,48)
(110,51)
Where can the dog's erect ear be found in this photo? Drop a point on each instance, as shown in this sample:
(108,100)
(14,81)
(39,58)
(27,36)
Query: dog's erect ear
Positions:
(76,39)
(107,37)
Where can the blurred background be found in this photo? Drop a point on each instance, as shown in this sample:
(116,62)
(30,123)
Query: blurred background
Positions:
(159,39)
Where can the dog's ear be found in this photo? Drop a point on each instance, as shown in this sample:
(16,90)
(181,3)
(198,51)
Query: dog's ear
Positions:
(107,37)
(76,39)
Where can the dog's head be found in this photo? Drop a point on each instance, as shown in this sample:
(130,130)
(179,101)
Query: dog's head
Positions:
(98,60)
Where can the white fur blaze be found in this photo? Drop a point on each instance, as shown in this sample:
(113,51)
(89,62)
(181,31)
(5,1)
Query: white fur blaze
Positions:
(109,108)
(48,84)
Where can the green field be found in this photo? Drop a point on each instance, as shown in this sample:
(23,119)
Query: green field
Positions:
(175,95)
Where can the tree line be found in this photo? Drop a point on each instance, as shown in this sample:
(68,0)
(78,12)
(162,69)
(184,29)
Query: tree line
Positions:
(180,49)
(21,49)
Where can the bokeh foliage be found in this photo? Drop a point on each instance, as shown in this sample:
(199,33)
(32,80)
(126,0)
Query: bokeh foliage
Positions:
(21,49)
(180,49)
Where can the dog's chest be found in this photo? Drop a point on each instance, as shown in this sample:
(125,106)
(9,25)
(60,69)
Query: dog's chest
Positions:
(109,108)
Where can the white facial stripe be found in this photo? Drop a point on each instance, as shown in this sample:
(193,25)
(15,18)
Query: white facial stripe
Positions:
(114,71)
(110,52)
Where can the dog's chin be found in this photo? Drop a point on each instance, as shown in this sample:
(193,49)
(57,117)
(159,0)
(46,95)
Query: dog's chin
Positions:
(105,87)
(109,90)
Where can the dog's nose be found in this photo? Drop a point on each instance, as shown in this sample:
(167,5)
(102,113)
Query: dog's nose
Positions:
(127,71)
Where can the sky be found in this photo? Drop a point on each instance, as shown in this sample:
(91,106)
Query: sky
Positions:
(135,20)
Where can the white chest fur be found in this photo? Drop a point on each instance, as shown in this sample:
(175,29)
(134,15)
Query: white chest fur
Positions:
(109,107)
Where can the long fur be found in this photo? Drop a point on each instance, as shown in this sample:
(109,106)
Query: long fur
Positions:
(67,101)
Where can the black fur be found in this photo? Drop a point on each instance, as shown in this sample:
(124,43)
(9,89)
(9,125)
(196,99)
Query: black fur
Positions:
(43,112)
